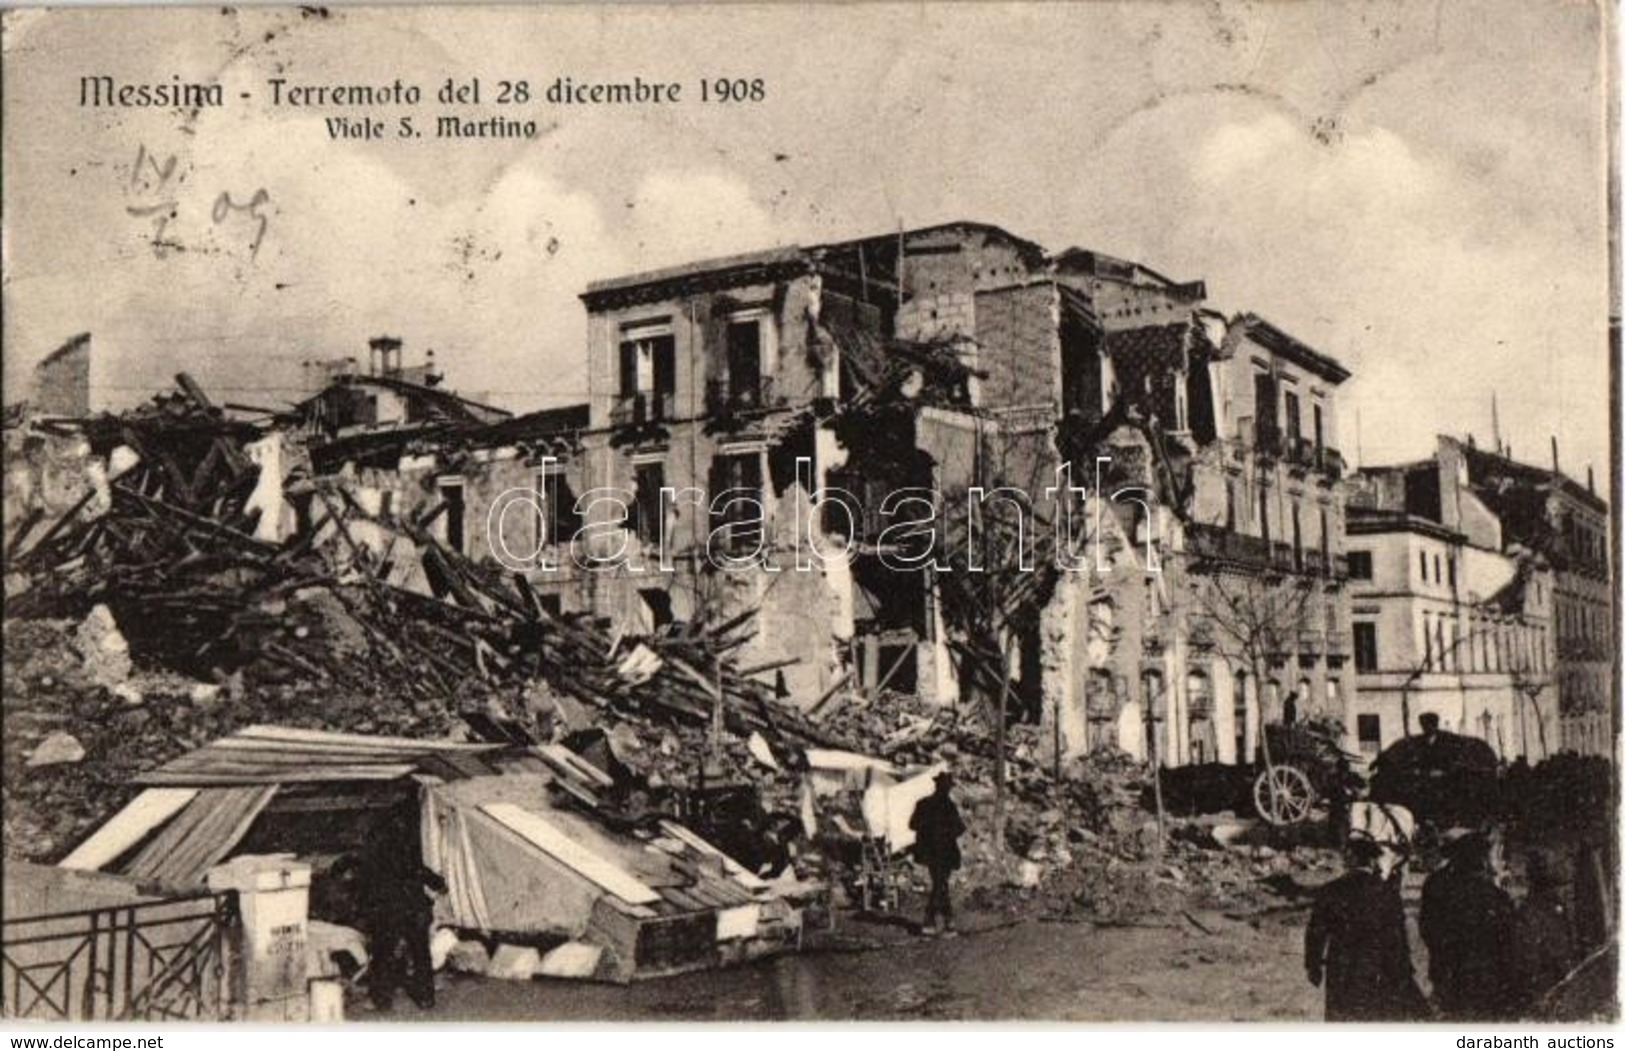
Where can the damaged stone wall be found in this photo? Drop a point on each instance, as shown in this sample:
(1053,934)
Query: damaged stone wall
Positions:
(46,474)
(1018,329)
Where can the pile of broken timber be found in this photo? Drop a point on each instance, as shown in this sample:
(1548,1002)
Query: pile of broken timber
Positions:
(194,591)
(684,673)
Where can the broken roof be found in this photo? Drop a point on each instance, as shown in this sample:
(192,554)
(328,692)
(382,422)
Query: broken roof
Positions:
(1111,268)
(726,270)
(1030,251)
(773,263)
(1482,465)
(81,341)
(1267,335)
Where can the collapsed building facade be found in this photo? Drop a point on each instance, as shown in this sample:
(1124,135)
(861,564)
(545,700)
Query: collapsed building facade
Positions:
(777,434)
(828,383)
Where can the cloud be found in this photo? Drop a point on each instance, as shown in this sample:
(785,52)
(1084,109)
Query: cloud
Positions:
(679,216)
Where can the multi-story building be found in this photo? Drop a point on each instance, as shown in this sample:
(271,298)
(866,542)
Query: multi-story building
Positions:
(1242,618)
(1546,512)
(398,455)
(1451,615)
(962,355)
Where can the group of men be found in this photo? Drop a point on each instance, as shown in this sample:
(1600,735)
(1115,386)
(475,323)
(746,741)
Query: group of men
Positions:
(1488,959)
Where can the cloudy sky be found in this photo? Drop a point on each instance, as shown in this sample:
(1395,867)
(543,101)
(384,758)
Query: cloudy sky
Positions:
(1417,189)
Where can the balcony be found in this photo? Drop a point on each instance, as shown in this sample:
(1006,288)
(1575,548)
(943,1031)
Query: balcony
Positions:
(644,407)
(1314,562)
(1300,453)
(1331,464)
(731,397)
(1281,556)
(1218,544)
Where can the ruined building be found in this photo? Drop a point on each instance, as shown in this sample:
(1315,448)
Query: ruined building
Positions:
(1452,612)
(395,457)
(1546,512)
(1228,609)
(62,380)
(824,382)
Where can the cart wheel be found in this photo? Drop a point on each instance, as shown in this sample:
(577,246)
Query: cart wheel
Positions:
(1283,795)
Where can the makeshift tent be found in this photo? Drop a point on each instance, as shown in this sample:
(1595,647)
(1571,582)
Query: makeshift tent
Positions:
(513,830)
(887,793)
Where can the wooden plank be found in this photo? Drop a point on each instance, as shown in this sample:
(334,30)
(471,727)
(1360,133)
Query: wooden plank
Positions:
(741,875)
(685,901)
(544,836)
(200,835)
(266,732)
(128,827)
(205,779)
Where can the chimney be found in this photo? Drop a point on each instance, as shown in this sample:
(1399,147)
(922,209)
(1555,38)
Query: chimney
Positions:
(1591,481)
(1472,443)
(385,355)
(1555,468)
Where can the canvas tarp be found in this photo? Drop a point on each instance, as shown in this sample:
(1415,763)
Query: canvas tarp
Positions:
(497,881)
(889,793)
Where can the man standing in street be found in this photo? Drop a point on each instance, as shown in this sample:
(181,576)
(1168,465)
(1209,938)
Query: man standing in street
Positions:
(937,827)
(1467,925)
(1356,944)
(398,912)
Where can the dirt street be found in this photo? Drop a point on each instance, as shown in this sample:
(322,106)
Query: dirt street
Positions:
(1032,970)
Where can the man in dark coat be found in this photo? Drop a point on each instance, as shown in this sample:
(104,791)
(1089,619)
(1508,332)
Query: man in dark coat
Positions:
(1356,944)
(1467,925)
(398,913)
(1543,932)
(937,827)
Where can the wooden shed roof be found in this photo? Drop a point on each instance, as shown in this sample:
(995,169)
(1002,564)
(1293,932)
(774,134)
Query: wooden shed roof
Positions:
(271,755)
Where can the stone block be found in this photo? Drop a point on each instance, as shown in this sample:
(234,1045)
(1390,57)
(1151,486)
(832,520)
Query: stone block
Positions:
(514,963)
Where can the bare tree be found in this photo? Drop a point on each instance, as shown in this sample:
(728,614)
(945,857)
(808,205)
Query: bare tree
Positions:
(1258,616)
(1001,569)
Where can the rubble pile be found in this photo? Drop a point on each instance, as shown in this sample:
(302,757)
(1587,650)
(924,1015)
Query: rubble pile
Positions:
(148,617)
(76,733)
(159,611)
(172,557)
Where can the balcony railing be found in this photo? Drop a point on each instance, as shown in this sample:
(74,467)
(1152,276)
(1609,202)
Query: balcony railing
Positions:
(1281,556)
(1301,452)
(1331,463)
(724,397)
(1314,562)
(1225,545)
(643,407)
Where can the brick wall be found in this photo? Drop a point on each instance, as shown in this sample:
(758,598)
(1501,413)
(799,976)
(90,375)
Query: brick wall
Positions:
(1018,331)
